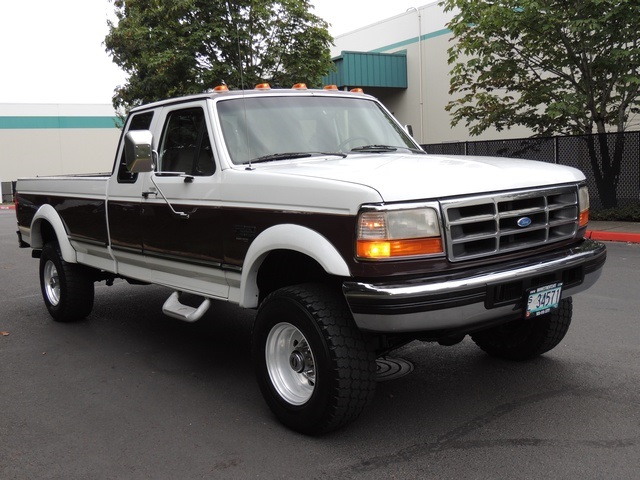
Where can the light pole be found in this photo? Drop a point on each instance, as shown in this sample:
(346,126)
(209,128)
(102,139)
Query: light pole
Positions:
(420,72)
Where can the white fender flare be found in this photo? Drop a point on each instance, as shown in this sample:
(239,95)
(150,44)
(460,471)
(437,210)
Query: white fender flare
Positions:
(46,213)
(287,237)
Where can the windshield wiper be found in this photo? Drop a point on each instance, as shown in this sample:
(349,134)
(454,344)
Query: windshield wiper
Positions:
(374,148)
(383,149)
(279,156)
(337,154)
(291,155)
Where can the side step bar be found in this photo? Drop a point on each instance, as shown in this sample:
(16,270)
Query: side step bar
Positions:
(174,309)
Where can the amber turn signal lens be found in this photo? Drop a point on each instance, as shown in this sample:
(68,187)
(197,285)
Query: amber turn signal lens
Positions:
(584,218)
(583,202)
(372,249)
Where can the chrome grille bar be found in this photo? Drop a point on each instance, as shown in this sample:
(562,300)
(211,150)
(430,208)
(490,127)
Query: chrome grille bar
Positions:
(488,225)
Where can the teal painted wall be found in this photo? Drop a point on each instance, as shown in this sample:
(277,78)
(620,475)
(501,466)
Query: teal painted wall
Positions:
(48,122)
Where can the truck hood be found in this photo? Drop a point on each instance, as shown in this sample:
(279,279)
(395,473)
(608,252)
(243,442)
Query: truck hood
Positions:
(400,177)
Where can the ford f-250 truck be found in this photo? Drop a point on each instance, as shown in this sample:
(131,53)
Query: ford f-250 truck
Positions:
(316,208)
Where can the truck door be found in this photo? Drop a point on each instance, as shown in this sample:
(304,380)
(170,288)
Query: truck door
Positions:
(124,194)
(180,210)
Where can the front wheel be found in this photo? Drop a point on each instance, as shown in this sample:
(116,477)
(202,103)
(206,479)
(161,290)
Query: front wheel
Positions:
(67,288)
(313,366)
(525,339)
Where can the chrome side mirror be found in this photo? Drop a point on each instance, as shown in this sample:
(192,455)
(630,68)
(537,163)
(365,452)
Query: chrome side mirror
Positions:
(138,151)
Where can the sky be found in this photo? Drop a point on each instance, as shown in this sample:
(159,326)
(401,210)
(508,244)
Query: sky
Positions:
(51,51)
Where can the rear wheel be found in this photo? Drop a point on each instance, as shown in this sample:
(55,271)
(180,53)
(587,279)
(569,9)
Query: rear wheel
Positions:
(525,339)
(314,367)
(67,288)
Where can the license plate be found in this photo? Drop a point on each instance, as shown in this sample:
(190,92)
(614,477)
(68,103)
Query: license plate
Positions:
(542,300)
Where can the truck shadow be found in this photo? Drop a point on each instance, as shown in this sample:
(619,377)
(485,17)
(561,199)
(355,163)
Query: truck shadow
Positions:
(212,356)
(221,339)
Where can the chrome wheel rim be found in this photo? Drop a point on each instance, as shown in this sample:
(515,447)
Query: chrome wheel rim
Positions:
(290,363)
(51,283)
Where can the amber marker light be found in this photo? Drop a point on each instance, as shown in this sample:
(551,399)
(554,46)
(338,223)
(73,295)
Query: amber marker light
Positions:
(263,86)
(584,218)
(373,249)
(356,90)
(583,201)
(300,86)
(220,88)
(330,87)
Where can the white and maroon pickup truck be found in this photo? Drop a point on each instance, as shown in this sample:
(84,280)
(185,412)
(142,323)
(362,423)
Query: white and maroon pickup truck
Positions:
(316,208)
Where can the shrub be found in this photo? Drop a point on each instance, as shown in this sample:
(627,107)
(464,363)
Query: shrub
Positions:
(629,213)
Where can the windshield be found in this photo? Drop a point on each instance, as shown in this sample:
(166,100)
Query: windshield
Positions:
(274,128)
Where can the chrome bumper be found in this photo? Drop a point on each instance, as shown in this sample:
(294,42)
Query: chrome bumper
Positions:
(469,300)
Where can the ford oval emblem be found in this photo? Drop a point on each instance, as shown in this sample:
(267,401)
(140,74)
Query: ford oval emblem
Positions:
(524,222)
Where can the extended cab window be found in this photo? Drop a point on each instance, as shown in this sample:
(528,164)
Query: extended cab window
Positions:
(139,121)
(185,145)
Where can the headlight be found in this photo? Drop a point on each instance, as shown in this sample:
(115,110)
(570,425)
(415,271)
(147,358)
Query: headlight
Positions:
(398,233)
(583,202)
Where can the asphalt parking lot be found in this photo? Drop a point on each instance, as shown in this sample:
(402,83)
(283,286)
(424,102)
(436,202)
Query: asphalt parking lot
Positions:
(131,394)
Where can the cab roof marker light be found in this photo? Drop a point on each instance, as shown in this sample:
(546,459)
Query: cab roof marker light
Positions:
(356,90)
(263,86)
(330,87)
(220,88)
(300,86)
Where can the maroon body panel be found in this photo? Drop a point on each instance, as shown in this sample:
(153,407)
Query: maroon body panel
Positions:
(220,237)
(84,219)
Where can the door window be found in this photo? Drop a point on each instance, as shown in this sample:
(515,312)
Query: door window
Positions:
(185,145)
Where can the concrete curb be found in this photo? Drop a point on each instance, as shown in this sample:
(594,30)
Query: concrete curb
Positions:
(613,236)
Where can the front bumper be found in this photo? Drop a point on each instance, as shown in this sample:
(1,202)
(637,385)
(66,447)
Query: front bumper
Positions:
(472,299)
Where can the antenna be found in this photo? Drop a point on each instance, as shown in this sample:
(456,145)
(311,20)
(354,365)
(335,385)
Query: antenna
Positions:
(242,86)
(241,63)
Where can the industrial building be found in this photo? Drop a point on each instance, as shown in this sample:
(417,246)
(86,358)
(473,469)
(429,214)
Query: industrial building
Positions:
(51,139)
(402,61)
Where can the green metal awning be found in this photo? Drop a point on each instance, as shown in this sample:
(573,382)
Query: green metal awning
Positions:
(368,69)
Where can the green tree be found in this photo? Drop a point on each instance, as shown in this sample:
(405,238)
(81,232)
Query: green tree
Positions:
(555,66)
(179,47)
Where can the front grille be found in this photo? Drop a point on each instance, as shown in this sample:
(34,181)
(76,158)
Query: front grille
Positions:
(493,224)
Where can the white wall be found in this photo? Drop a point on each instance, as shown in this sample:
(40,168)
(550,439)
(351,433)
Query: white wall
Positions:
(400,33)
(31,151)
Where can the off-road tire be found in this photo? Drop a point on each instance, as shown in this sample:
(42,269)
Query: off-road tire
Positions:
(343,364)
(67,288)
(526,339)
